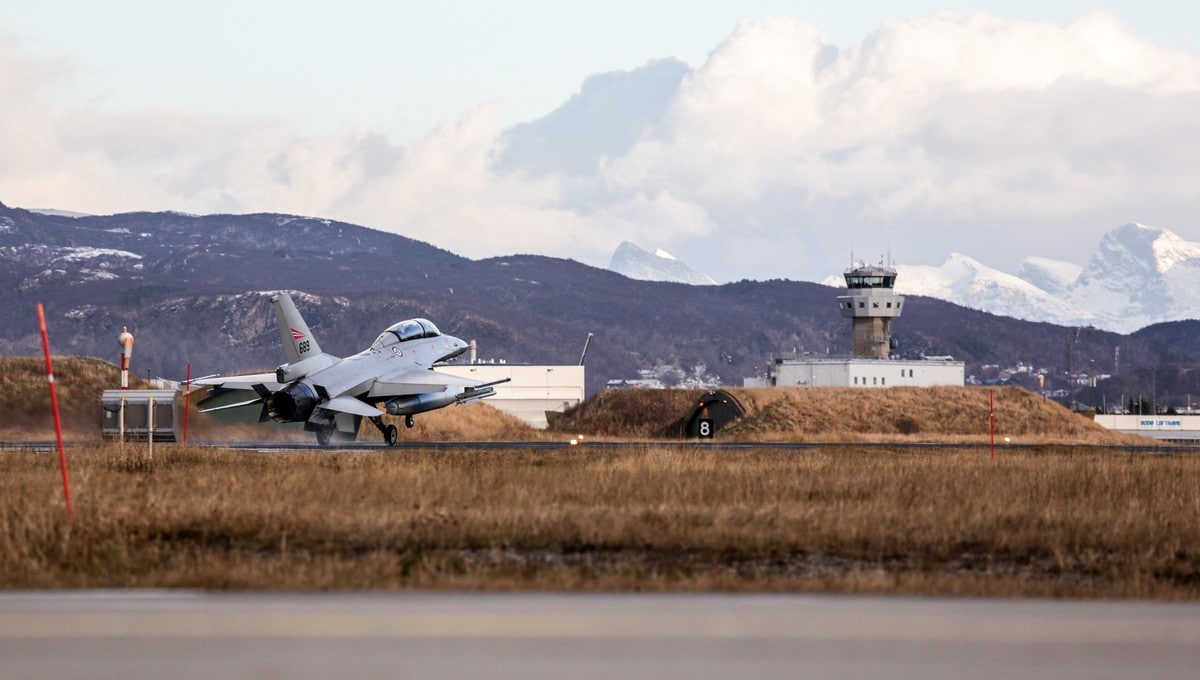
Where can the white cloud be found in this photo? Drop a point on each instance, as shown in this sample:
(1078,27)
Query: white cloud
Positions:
(442,188)
(961,129)
(779,154)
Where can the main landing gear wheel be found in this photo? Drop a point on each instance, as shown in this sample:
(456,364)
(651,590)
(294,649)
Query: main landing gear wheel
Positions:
(324,434)
(390,434)
(409,421)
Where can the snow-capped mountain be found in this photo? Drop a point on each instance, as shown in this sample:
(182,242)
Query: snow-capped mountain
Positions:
(1052,276)
(636,263)
(1138,276)
(969,283)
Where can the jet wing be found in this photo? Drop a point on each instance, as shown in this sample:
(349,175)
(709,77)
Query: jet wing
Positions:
(417,381)
(350,405)
(241,382)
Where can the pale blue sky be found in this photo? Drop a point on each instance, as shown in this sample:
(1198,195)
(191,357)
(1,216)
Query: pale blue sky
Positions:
(1000,130)
(405,66)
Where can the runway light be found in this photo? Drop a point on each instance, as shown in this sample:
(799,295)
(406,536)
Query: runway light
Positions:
(1007,440)
(574,442)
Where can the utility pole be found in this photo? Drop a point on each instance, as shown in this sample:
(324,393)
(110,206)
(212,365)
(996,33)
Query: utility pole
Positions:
(1092,378)
(1072,338)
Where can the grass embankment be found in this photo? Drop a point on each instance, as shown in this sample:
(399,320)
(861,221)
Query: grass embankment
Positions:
(828,414)
(79,381)
(950,522)
(469,422)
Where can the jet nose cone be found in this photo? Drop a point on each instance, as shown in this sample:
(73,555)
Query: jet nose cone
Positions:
(454,347)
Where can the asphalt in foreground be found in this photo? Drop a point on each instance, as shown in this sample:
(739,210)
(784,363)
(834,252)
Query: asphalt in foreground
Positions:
(122,634)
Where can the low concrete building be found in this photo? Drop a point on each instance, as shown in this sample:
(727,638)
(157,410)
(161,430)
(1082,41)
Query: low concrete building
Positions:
(1175,428)
(862,372)
(532,391)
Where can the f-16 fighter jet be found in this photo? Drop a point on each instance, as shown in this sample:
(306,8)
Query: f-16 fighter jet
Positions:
(331,395)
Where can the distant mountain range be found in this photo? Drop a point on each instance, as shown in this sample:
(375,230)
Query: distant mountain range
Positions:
(1138,276)
(630,260)
(194,289)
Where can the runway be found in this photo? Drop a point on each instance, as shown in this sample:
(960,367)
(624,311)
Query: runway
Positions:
(123,634)
(564,444)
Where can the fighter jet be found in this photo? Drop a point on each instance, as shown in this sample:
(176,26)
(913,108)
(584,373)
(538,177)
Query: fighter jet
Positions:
(332,395)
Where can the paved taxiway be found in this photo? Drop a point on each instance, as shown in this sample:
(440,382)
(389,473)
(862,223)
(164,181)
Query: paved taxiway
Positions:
(132,634)
(686,444)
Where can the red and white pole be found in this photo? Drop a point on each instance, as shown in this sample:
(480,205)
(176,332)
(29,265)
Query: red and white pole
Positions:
(126,341)
(62,452)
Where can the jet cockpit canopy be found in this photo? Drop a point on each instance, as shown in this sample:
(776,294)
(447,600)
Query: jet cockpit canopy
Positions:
(411,329)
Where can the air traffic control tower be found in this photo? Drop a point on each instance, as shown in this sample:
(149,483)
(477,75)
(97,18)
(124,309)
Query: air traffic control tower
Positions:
(872,304)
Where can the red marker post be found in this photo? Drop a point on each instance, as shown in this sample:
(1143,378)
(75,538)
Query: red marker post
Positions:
(187,393)
(62,452)
(992,419)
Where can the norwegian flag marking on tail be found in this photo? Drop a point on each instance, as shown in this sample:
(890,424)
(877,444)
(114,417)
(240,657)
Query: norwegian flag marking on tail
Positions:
(296,335)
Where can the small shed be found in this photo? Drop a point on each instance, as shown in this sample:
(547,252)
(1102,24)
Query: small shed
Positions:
(136,421)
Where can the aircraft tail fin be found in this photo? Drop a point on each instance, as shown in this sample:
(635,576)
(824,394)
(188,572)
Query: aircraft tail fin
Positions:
(298,342)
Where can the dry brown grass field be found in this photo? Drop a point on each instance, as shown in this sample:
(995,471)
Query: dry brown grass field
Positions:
(1058,523)
(1046,521)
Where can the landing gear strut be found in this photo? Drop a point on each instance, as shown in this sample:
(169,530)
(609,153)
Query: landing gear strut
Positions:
(390,434)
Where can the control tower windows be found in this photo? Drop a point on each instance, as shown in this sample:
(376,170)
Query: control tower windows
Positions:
(870,281)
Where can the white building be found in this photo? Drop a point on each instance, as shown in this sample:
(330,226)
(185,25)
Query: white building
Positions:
(531,390)
(1182,428)
(862,372)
